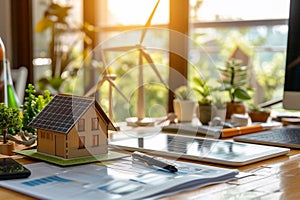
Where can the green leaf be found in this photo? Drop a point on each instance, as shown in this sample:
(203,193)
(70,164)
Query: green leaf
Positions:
(61,12)
(242,93)
(43,25)
(56,82)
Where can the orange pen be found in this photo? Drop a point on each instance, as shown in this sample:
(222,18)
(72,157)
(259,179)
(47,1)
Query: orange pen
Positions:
(230,132)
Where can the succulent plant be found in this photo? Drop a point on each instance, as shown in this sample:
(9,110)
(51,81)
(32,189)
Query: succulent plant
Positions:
(184,93)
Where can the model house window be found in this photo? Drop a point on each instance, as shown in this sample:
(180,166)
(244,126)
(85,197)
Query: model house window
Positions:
(43,134)
(95,123)
(95,140)
(46,135)
(81,142)
(81,125)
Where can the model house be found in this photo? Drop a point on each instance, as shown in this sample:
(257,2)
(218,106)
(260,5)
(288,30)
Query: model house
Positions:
(72,126)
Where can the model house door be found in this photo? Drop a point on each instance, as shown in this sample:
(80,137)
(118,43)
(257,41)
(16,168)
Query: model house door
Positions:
(59,145)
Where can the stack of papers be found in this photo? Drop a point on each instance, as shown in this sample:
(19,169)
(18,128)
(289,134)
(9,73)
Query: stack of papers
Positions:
(120,179)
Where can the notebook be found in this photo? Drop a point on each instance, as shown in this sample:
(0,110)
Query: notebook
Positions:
(287,136)
(216,151)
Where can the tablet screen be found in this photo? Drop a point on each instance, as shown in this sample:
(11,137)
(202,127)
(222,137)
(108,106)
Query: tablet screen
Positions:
(203,149)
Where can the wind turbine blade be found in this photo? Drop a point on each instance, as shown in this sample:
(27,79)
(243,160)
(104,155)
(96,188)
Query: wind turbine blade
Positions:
(94,88)
(118,89)
(148,23)
(152,65)
(121,48)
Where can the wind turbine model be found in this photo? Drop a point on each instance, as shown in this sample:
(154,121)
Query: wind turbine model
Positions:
(141,120)
(110,79)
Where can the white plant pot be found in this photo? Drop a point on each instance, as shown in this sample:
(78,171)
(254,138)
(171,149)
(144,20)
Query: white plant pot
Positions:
(184,109)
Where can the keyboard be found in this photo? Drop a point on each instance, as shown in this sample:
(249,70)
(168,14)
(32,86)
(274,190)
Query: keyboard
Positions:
(287,136)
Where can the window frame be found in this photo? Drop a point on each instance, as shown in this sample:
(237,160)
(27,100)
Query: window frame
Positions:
(81,125)
(96,140)
(22,35)
(95,120)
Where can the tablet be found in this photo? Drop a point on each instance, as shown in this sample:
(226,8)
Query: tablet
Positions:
(201,149)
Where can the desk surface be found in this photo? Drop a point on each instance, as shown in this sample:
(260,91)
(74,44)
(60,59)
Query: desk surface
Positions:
(276,178)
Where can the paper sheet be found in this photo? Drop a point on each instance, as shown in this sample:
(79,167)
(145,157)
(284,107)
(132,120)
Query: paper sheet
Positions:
(120,179)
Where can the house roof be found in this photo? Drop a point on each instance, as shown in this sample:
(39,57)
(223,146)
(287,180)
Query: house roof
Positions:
(63,112)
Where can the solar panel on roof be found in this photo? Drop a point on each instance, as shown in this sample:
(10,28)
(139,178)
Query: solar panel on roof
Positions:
(61,113)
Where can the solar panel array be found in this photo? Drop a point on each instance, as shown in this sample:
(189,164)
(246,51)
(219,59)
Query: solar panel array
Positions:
(61,113)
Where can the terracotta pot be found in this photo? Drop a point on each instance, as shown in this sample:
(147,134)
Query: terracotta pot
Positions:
(259,116)
(235,108)
(205,113)
(8,148)
(184,110)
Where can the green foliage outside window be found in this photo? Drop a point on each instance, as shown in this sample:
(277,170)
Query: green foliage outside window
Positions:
(264,64)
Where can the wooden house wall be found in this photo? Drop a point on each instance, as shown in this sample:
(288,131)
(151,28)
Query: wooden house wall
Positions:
(47,144)
(74,136)
(69,142)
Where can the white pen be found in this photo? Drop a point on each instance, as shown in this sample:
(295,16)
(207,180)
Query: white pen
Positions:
(152,161)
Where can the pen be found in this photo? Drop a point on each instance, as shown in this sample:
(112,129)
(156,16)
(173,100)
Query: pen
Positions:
(152,161)
(230,132)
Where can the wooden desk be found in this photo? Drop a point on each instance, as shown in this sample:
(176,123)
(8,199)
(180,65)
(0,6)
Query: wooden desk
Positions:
(277,178)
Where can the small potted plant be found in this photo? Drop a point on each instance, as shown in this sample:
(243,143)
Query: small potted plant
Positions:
(203,92)
(184,105)
(234,80)
(258,114)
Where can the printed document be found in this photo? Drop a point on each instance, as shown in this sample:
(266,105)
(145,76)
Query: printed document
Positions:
(118,179)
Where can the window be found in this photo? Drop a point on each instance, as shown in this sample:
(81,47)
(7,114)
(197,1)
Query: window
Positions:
(215,26)
(81,125)
(62,58)
(81,144)
(43,134)
(220,26)
(95,140)
(119,26)
(46,135)
(95,123)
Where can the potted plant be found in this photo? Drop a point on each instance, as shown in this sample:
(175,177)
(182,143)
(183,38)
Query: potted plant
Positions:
(258,114)
(234,80)
(203,92)
(65,55)
(12,131)
(184,105)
